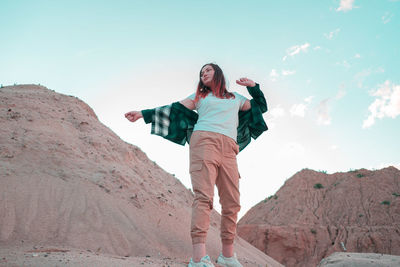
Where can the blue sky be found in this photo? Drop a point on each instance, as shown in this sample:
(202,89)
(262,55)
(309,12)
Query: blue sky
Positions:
(329,69)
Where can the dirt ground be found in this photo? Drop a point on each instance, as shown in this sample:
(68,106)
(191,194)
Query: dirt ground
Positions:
(51,256)
(56,257)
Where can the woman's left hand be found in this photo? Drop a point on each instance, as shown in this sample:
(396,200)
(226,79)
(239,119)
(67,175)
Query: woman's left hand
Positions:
(246,82)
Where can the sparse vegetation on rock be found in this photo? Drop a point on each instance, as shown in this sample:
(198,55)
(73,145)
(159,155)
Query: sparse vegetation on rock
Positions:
(318,186)
(308,224)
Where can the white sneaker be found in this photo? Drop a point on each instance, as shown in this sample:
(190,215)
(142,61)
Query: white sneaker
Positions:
(204,262)
(228,262)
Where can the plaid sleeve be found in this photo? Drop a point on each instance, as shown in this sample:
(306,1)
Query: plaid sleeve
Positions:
(258,97)
(251,122)
(148,115)
(161,121)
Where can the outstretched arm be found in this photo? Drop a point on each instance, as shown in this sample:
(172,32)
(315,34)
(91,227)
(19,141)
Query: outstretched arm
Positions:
(188,103)
(133,115)
(249,83)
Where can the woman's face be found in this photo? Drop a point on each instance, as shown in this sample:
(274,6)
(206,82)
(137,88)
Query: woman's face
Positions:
(206,75)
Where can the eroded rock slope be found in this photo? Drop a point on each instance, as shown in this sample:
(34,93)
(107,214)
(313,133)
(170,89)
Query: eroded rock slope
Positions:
(315,214)
(66,180)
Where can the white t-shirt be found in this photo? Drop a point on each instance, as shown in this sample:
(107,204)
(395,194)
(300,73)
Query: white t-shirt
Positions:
(219,115)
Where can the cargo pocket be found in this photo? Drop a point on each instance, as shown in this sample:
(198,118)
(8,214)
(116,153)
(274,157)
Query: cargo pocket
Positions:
(236,149)
(195,166)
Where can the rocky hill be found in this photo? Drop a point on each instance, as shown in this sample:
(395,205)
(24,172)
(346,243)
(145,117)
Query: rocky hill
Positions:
(67,181)
(315,214)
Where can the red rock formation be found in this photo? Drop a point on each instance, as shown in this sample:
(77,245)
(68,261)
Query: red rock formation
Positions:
(339,259)
(66,180)
(315,214)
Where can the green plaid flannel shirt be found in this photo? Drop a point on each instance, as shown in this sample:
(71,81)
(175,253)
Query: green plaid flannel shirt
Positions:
(175,122)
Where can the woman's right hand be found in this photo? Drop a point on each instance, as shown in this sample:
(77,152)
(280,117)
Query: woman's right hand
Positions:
(133,115)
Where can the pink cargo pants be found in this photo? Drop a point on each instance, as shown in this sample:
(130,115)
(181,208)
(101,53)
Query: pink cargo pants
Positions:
(213,162)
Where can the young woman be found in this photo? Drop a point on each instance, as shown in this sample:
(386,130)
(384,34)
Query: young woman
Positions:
(223,126)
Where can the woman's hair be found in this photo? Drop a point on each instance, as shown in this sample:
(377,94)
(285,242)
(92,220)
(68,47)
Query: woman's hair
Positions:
(218,83)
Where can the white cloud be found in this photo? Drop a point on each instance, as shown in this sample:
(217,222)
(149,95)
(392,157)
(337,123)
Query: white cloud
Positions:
(317,47)
(345,5)
(368,122)
(273,75)
(344,64)
(362,75)
(299,110)
(277,112)
(357,56)
(308,99)
(387,17)
(386,104)
(288,72)
(323,107)
(332,34)
(296,49)
(324,117)
(340,94)
(274,114)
